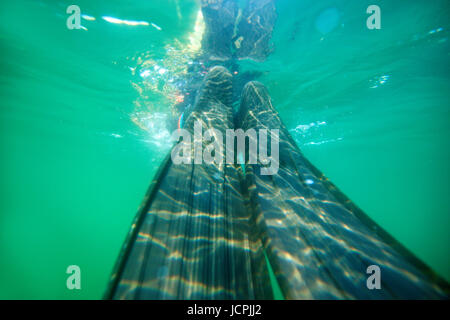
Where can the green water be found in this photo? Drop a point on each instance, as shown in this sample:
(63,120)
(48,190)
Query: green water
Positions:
(370,108)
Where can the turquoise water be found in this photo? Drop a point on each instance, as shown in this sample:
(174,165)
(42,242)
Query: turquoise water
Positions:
(82,120)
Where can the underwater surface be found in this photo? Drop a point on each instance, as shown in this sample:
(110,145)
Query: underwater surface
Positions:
(84,113)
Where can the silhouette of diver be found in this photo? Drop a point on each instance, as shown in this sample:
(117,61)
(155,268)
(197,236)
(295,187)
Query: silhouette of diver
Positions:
(208,231)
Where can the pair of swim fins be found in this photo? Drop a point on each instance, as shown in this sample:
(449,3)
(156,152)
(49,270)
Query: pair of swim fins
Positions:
(208,231)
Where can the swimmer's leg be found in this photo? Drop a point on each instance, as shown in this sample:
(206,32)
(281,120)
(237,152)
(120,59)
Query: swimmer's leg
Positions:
(318,242)
(192,237)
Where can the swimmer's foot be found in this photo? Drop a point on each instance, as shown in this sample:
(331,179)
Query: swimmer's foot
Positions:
(256,110)
(217,88)
(213,105)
